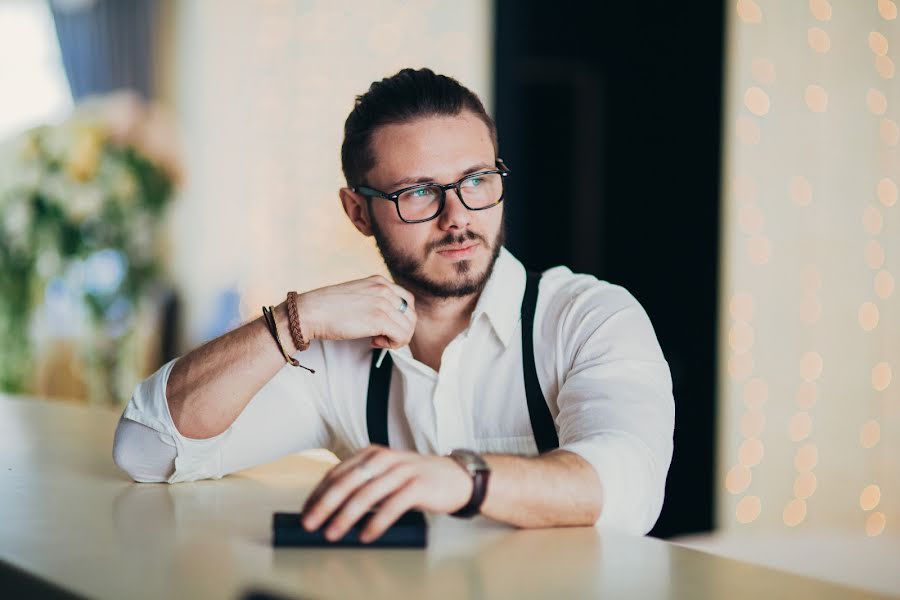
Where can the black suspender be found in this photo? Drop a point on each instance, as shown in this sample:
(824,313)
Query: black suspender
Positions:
(377,404)
(541,420)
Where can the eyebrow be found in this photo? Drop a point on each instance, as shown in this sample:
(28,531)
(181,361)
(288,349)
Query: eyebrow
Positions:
(407,181)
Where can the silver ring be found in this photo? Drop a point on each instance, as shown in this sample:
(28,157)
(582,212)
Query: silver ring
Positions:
(366,472)
(403,305)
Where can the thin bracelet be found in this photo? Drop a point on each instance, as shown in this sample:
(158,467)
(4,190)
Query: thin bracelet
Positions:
(269,316)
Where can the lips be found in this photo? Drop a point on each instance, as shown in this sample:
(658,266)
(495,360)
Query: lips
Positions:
(458,252)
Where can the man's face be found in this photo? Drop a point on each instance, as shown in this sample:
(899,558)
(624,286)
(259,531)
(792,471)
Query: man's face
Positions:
(453,254)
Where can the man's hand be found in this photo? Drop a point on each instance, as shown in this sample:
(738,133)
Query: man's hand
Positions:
(364,308)
(400,481)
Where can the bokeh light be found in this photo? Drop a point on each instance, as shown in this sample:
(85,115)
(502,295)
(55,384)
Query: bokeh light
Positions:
(869,434)
(820,9)
(874,254)
(887,191)
(800,426)
(749,11)
(811,366)
(876,102)
(872,220)
(806,458)
(816,98)
(806,395)
(756,393)
(878,43)
(884,66)
(748,509)
(818,40)
(881,376)
(740,337)
(868,316)
(740,366)
(794,512)
(741,306)
(875,524)
(757,101)
(805,485)
(738,479)
(889,132)
(884,284)
(869,497)
(751,452)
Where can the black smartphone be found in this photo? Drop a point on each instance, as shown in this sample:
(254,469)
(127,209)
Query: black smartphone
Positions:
(409,531)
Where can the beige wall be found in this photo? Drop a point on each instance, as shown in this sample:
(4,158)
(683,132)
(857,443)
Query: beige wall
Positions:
(809,414)
(260,90)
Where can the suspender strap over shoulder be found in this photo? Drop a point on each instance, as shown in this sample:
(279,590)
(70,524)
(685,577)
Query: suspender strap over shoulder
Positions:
(377,403)
(541,419)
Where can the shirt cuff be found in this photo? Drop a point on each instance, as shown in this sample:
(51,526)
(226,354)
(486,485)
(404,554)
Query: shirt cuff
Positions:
(632,500)
(195,458)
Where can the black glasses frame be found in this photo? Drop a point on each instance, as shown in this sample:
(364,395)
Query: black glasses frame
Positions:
(502,169)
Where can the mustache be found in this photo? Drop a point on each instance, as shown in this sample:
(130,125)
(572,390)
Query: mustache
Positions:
(451,240)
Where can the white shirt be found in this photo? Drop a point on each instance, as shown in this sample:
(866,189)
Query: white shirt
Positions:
(598,362)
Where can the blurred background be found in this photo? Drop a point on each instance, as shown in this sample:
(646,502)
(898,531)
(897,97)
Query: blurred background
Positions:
(168,167)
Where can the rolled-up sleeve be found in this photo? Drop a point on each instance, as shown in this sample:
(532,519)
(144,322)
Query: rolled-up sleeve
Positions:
(284,416)
(615,402)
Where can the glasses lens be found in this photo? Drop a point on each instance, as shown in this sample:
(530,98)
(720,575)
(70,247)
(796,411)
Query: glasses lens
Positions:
(420,203)
(481,191)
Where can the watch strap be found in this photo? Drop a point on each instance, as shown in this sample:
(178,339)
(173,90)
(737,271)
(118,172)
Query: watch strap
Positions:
(479,491)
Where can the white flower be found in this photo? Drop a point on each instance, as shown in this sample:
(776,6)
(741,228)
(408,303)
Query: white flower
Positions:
(85,201)
(17,218)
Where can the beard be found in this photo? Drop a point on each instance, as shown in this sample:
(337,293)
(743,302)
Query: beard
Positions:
(411,271)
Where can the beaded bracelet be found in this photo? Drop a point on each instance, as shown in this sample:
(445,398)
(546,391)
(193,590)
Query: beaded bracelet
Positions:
(269,317)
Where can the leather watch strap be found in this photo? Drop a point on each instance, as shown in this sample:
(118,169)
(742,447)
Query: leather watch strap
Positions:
(479,491)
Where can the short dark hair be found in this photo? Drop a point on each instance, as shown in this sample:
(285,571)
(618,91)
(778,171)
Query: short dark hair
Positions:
(410,94)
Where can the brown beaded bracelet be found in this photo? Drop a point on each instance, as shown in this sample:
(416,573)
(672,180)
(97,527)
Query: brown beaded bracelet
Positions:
(294,323)
(269,317)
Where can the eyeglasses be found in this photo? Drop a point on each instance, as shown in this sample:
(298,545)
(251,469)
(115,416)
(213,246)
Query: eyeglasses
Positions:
(424,202)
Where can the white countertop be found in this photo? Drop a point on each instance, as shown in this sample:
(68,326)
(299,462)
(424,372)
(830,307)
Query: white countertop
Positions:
(72,518)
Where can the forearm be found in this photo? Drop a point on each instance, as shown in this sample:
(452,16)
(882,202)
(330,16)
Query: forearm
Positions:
(557,489)
(210,386)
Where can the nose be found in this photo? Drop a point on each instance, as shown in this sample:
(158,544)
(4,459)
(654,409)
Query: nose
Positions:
(455,215)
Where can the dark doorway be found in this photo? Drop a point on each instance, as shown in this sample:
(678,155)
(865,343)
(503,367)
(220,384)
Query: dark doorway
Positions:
(609,117)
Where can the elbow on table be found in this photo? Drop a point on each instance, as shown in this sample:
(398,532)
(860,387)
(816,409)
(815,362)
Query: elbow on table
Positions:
(137,453)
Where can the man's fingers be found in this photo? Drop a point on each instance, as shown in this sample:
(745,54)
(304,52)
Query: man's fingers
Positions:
(365,498)
(391,510)
(333,494)
(337,472)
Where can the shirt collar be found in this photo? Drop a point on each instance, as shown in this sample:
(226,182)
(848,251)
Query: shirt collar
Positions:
(501,298)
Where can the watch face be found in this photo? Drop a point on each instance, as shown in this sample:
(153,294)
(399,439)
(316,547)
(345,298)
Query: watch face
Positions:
(472,461)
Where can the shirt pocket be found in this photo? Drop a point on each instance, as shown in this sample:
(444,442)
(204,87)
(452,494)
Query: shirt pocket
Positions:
(516,444)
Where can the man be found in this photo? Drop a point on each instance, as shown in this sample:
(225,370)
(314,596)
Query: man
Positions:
(537,401)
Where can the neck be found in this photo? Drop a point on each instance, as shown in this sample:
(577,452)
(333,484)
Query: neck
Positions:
(439,321)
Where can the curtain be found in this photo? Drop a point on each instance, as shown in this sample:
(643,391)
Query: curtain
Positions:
(106,45)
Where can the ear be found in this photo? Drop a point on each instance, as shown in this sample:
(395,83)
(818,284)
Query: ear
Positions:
(357,210)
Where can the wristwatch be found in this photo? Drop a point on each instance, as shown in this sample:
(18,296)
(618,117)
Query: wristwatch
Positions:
(479,470)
